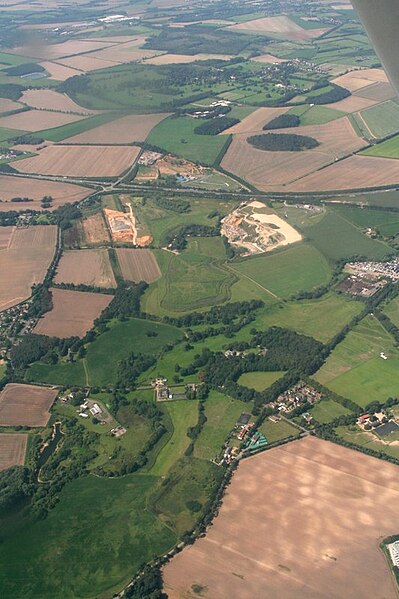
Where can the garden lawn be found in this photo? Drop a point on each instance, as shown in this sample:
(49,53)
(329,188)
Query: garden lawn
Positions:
(277,431)
(326,410)
(259,380)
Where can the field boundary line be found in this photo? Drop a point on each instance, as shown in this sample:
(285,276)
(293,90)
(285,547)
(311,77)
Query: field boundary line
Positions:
(240,274)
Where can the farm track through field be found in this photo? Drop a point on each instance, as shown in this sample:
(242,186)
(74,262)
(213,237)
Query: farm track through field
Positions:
(86,371)
(240,274)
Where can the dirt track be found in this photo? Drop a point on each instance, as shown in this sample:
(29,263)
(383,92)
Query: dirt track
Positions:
(302,521)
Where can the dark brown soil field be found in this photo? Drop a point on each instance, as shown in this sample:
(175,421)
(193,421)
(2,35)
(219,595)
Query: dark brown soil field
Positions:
(25,405)
(12,449)
(138,265)
(301,521)
(73,314)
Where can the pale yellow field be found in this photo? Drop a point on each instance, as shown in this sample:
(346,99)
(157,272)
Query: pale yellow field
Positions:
(268,59)
(185,58)
(355,80)
(254,122)
(281,25)
(87,267)
(55,51)
(8,105)
(48,99)
(58,71)
(36,120)
(35,189)
(80,161)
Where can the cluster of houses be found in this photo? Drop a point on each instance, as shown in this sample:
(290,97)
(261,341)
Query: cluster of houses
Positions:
(163,392)
(208,111)
(296,397)
(250,440)
(14,322)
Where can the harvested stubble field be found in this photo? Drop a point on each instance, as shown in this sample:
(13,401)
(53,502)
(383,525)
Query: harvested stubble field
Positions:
(185,58)
(8,105)
(354,172)
(266,170)
(135,127)
(86,267)
(355,80)
(380,92)
(58,71)
(48,99)
(95,229)
(268,59)
(5,237)
(25,405)
(85,63)
(35,189)
(27,257)
(53,51)
(352,104)
(36,120)
(301,521)
(138,265)
(12,450)
(80,161)
(73,313)
(281,25)
(254,122)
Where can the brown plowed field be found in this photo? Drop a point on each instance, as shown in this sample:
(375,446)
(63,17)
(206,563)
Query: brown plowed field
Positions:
(255,121)
(95,230)
(8,105)
(138,265)
(355,80)
(73,313)
(352,104)
(25,405)
(379,92)
(12,450)
(86,267)
(36,120)
(282,26)
(80,161)
(5,236)
(62,193)
(301,521)
(135,127)
(86,63)
(25,262)
(59,72)
(48,99)
(352,173)
(266,170)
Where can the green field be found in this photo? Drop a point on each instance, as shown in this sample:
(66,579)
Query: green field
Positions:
(338,238)
(193,279)
(366,440)
(183,414)
(392,311)
(277,431)
(381,120)
(222,413)
(355,369)
(316,115)
(386,149)
(259,380)
(100,365)
(286,272)
(368,217)
(9,133)
(319,318)
(176,135)
(89,545)
(326,410)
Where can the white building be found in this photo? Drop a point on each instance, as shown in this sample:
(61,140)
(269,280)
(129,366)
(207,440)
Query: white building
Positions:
(393,549)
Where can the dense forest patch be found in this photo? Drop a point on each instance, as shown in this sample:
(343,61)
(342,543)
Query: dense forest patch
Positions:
(282,142)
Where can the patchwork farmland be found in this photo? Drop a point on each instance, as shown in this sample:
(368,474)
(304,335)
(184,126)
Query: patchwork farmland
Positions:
(25,405)
(28,254)
(73,313)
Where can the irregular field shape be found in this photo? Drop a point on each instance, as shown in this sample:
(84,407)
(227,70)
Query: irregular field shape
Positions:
(352,104)
(268,59)
(255,121)
(281,25)
(135,127)
(48,99)
(69,48)
(73,314)
(379,92)
(36,120)
(8,105)
(301,521)
(138,265)
(355,172)
(265,169)
(185,58)
(27,257)
(25,405)
(81,161)
(58,71)
(355,80)
(87,267)
(12,450)
(62,193)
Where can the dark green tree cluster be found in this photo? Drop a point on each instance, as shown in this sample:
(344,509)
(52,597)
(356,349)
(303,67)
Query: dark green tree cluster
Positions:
(282,142)
(335,94)
(216,126)
(129,369)
(177,240)
(283,122)
(176,205)
(148,585)
(16,486)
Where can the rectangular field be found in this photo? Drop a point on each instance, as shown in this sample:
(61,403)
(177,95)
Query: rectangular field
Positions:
(35,189)
(73,314)
(48,99)
(12,450)
(301,521)
(87,267)
(25,405)
(25,262)
(94,229)
(80,161)
(138,265)
(36,120)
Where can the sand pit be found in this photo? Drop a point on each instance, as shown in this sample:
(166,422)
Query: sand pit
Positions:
(25,405)
(25,262)
(138,265)
(254,122)
(302,521)
(282,26)
(36,120)
(356,80)
(12,450)
(355,172)
(73,313)
(267,170)
(185,58)
(62,193)
(86,267)
(135,127)
(48,99)
(80,161)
